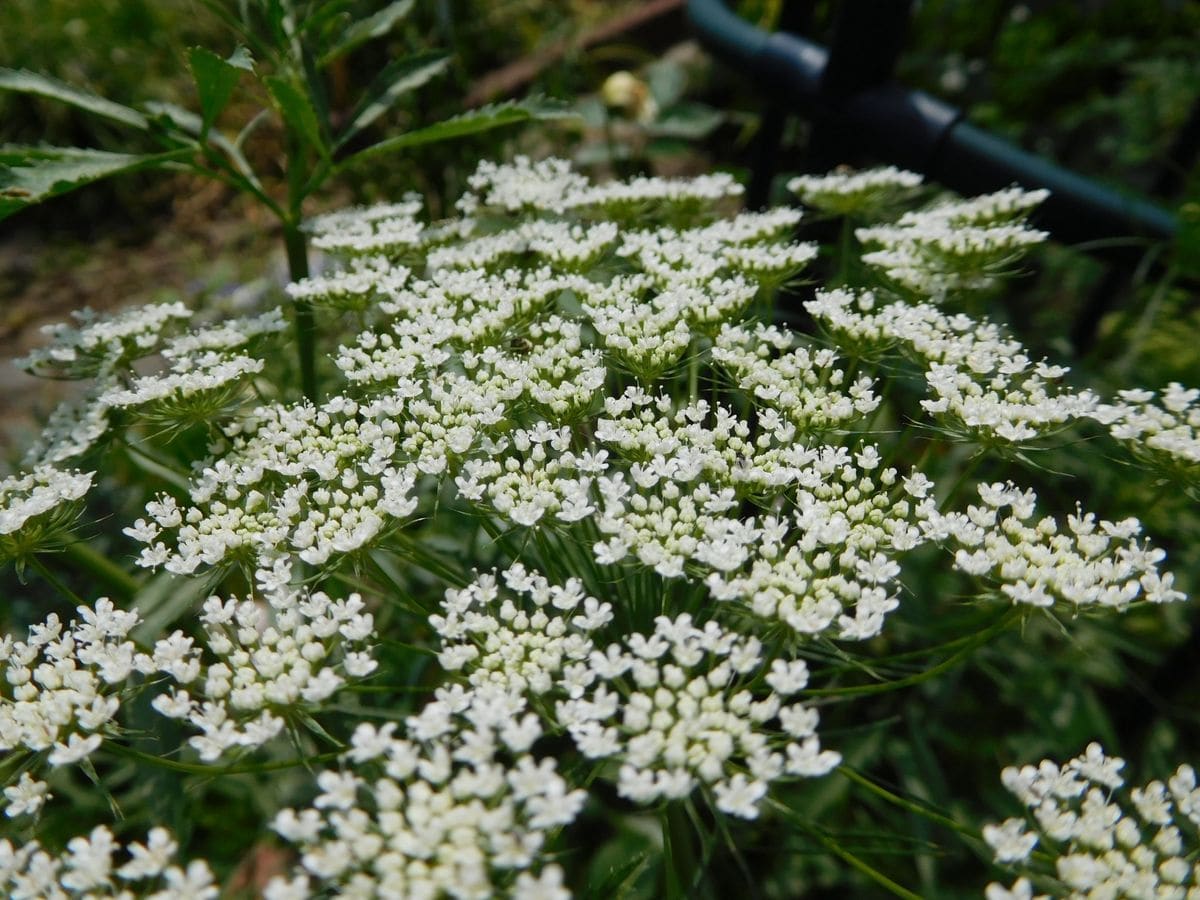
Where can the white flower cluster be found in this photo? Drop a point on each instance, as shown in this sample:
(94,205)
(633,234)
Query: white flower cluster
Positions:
(748,245)
(203,378)
(954,245)
(100,343)
(1163,430)
(259,662)
(648,335)
(61,689)
(531,475)
(390,229)
(550,186)
(34,505)
(503,645)
(459,809)
(846,192)
(665,487)
(983,384)
(675,708)
(838,551)
(567,245)
(803,385)
(226,335)
(204,383)
(73,427)
(206,373)
(90,868)
(1103,841)
(1089,563)
(368,280)
(459,309)
(302,480)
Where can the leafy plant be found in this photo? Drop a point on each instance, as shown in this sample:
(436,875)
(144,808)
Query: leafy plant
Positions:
(592,574)
(287,50)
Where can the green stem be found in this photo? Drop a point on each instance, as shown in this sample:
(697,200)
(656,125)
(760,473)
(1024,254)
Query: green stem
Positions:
(908,805)
(306,326)
(213,771)
(55,581)
(968,647)
(694,374)
(967,472)
(431,562)
(680,863)
(842,853)
(843,276)
(119,583)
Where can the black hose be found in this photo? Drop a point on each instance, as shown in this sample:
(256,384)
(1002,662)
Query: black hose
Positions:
(914,130)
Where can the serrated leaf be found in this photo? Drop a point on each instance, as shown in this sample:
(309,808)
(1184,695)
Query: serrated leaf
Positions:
(30,175)
(367,29)
(473,122)
(25,82)
(215,80)
(297,111)
(391,84)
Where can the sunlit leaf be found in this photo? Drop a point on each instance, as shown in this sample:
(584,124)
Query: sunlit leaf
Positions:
(25,82)
(473,122)
(367,29)
(30,175)
(392,83)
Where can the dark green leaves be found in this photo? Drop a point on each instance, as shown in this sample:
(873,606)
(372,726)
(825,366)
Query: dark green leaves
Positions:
(398,79)
(216,79)
(31,83)
(367,29)
(297,111)
(30,175)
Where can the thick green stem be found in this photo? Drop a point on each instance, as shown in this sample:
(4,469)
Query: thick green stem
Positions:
(680,862)
(54,581)
(117,582)
(306,327)
(844,249)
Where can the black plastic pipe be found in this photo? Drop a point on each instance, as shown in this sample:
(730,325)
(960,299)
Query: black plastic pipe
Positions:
(912,129)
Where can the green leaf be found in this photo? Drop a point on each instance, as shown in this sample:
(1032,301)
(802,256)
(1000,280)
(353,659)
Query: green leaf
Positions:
(691,121)
(30,175)
(191,124)
(367,29)
(166,598)
(297,111)
(216,79)
(473,122)
(393,82)
(31,83)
